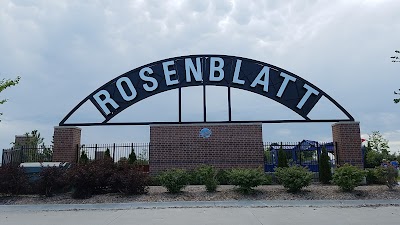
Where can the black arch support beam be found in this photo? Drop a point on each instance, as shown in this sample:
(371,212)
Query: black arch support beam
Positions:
(261,78)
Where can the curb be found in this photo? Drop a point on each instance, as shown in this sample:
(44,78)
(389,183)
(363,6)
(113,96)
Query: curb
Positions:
(201,204)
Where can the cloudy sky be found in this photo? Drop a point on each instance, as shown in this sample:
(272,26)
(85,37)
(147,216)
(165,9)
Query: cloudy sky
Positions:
(65,49)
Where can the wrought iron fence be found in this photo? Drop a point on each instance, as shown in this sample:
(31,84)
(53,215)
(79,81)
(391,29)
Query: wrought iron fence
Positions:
(118,152)
(21,154)
(304,153)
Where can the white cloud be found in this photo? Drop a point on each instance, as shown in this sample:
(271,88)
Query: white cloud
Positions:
(66,49)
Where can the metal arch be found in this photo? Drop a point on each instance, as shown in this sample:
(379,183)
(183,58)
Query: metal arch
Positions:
(204,83)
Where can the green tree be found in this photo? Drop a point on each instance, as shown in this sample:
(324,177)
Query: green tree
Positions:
(377,143)
(282,158)
(325,175)
(132,157)
(4,84)
(376,150)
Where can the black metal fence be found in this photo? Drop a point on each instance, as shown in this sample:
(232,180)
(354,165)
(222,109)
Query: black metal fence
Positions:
(22,154)
(304,153)
(118,152)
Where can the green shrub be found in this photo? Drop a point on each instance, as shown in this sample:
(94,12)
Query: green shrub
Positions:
(375,175)
(107,153)
(223,177)
(282,158)
(207,176)
(83,158)
(129,180)
(51,180)
(132,157)
(13,180)
(246,179)
(174,180)
(294,178)
(347,177)
(325,174)
(390,176)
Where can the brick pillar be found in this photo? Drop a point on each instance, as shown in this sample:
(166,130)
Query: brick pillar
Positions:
(348,139)
(66,140)
(22,140)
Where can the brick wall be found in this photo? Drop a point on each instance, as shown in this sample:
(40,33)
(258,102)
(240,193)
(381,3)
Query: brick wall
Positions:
(348,139)
(22,140)
(229,146)
(66,140)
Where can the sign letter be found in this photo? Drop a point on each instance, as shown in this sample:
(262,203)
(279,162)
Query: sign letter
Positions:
(263,73)
(189,67)
(284,83)
(168,73)
(307,95)
(106,99)
(214,68)
(122,90)
(153,80)
(236,73)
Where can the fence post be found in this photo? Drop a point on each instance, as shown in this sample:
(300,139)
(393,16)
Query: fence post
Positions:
(2,158)
(113,152)
(301,153)
(21,155)
(318,153)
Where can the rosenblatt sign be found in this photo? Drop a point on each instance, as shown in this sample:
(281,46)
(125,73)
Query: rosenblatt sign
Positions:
(264,79)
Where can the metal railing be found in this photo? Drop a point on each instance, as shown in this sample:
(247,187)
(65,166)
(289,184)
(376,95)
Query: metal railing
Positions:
(304,153)
(118,152)
(22,154)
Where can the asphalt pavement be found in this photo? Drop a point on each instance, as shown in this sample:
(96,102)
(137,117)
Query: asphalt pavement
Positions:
(212,212)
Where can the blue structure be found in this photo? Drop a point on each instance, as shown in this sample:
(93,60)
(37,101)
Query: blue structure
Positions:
(304,153)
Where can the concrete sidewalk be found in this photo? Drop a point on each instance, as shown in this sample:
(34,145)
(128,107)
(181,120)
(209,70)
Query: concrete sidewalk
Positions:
(212,213)
(201,204)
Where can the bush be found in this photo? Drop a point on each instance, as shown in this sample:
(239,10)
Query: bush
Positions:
(375,175)
(347,177)
(13,180)
(91,178)
(390,176)
(282,158)
(246,179)
(129,180)
(325,174)
(174,180)
(51,180)
(207,175)
(294,178)
(223,176)
(82,181)
(107,153)
(83,158)
(132,157)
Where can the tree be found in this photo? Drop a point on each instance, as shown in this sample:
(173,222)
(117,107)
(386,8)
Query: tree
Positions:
(325,175)
(132,157)
(377,143)
(282,158)
(4,84)
(376,150)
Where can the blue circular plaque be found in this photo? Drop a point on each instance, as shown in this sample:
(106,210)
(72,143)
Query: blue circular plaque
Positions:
(205,133)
